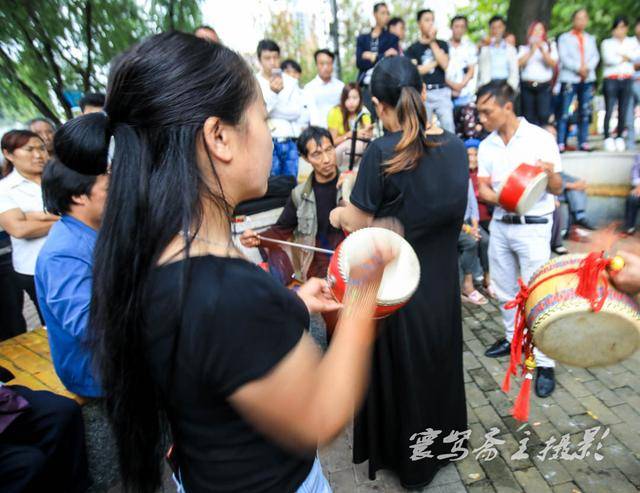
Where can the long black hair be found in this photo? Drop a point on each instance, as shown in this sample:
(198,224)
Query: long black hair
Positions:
(396,82)
(159,95)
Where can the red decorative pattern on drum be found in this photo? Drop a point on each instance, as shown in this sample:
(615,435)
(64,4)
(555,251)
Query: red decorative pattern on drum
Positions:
(400,278)
(522,188)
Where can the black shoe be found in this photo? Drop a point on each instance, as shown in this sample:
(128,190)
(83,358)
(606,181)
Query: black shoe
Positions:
(498,348)
(560,250)
(584,223)
(545,381)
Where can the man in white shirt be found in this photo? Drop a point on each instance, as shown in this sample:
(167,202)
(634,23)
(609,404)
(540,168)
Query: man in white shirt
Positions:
(323,92)
(283,99)
(463,61)
(518,244)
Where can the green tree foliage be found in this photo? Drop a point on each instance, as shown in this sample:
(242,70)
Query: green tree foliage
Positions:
(51,46)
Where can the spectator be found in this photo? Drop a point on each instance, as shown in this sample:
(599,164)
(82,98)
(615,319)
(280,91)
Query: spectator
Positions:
(461,72)
(468,248)
(291,68)
(397,27)
(498,59)
(342,119)
(633,200)
(323,91)
(21,209)
(45,130)
(510,38)
(371,48)
(431,56)
(92,102)
(42,444)
(481,270)
(63,274)
(579,58)
(208,33)
(634,100)
(618,53)
(283,99)
(538,60)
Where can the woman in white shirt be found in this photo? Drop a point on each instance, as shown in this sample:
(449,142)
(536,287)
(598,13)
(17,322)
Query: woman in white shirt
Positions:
(618,52)
(537,59)
(21,209)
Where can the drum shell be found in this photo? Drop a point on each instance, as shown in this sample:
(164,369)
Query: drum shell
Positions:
(554,312)
(513,195)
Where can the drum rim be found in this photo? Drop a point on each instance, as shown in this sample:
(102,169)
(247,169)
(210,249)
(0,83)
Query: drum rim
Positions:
(379,302)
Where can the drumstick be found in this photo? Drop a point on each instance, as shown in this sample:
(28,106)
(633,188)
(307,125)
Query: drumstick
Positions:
(296,245)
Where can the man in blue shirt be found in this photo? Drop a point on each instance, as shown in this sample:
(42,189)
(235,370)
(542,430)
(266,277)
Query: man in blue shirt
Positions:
(63,274)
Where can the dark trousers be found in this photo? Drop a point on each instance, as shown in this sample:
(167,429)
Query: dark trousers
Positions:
(44,448)
(27,283)
(631,211)
(556,229)
(535,102)
(616,91)
(12,322)
(368,103)
(584,93)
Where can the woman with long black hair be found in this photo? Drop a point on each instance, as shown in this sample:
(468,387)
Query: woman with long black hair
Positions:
(420,175)
(189,334)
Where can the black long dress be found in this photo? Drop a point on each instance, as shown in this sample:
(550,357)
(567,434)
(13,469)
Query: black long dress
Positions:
(417,380)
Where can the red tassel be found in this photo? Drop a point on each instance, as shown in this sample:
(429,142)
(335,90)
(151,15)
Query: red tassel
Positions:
(520,323)
(589,274)
(520,409)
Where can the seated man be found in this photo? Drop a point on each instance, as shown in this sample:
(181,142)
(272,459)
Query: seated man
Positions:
(42,445)
(63,274)
(305,217)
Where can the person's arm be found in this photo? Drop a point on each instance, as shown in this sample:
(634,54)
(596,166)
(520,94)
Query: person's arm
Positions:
(282,230)
(19,225)
(525,55)
(485,191)
(363,56)
(350,218)
(549,55)
(306,400)
(514,69)
(440,54)
(289,103)
(67,292)
(594,59)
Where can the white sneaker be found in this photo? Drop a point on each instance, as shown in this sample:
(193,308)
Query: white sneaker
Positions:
(609,145)
(621,146)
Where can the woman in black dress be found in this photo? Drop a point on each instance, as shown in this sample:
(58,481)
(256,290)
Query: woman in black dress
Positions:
(189,334)
(419,175)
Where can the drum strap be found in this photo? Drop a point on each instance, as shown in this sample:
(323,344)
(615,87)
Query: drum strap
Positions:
(590,272)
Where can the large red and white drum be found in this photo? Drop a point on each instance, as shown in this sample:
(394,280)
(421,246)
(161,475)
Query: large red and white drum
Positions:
(522,188)
(399,280)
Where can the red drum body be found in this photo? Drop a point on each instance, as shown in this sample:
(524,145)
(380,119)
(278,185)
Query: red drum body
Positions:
(399,280)
(522,188)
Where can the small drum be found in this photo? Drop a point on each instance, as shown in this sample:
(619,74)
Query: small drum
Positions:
(399,280)
(564,326)
(522,188)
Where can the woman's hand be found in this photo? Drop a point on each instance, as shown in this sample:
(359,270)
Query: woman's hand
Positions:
(316,294)
(249,239)
(628,278)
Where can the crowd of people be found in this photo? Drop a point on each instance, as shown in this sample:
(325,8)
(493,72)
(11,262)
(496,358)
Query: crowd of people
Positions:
(117,225)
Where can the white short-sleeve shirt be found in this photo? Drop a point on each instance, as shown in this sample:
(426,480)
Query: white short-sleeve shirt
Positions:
(16,192)
(529,144)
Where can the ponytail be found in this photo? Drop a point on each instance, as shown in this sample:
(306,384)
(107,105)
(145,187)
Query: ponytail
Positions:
(412,117)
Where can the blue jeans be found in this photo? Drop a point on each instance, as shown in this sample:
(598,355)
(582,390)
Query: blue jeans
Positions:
(576,199)
(631,112)
(584,92)
(285,158)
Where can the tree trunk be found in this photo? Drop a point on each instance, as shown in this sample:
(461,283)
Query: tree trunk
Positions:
(170,15)
(523,12)
(86,76)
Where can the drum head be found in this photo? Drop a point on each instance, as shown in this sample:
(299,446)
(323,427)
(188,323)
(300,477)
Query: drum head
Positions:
(588,339)
(400,278)
(532,193)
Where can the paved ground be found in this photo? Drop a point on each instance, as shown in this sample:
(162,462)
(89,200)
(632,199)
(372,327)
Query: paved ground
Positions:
(606,397)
